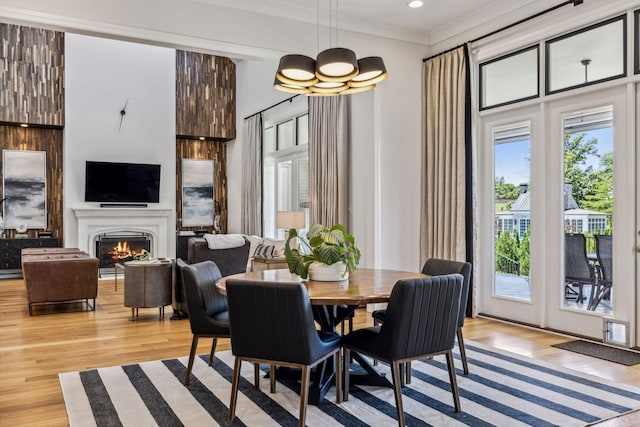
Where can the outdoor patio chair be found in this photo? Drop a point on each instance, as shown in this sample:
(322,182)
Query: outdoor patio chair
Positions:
(604,251)
(578,272)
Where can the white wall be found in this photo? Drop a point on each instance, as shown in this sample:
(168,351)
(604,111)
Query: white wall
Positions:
(100,76)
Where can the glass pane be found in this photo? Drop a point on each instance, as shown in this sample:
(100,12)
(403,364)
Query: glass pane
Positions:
(512,216)
(587,56)
(303,188)
(285,135)
(588,209)
(269,208)
(285,189)
(303,129)
(269,140)
(508,79)
(636,31)
(616,332)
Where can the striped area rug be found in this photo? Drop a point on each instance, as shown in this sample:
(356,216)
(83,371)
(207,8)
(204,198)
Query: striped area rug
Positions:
(502,390)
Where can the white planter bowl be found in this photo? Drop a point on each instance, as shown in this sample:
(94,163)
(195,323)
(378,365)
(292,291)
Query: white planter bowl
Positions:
(328,273)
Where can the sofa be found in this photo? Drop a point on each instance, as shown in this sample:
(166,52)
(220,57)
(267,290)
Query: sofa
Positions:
(60,277)
(229,260)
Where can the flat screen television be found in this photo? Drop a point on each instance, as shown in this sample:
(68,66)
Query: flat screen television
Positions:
(122,182)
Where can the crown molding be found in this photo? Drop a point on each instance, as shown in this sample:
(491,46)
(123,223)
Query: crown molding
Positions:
(61,23)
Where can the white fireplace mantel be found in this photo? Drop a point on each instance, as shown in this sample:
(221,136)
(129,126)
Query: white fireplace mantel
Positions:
(157,223)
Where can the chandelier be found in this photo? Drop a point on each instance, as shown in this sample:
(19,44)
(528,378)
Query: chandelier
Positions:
(335,71)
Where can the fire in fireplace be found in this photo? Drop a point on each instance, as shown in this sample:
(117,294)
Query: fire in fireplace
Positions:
(112,249)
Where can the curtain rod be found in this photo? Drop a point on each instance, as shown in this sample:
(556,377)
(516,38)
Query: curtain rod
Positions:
(551,9)
(274,105)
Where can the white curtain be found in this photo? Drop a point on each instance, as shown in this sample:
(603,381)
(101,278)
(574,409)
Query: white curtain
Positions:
(252,175)
(329,160)
(445,213)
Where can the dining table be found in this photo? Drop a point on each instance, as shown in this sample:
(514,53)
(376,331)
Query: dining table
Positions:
(333,302)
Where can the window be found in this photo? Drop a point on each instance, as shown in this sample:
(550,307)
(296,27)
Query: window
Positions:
(573,225)
(587,56)
(525,225)
(510,78)
(596,225)
(285,167)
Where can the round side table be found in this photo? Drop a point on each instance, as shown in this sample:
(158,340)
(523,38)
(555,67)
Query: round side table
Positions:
(147,284)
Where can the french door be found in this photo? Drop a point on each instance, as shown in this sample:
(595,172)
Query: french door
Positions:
(547,173)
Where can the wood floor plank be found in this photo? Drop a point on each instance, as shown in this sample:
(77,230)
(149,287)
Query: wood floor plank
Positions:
(34,349)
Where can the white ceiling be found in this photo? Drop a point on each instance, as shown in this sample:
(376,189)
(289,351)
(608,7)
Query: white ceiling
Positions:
(433,23)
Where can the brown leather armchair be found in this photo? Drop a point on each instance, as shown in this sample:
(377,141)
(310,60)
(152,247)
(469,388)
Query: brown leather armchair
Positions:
(60,277)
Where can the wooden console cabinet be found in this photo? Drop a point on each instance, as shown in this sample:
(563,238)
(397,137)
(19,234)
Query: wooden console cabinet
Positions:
(10,250)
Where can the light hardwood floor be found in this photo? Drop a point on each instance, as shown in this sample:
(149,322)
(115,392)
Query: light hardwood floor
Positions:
(33,350)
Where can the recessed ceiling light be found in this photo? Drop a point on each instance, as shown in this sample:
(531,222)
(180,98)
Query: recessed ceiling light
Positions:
(415,3)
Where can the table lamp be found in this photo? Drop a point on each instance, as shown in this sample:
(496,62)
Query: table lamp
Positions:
(290,219)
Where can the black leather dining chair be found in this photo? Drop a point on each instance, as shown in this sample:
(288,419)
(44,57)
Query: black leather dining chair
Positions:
(273,323)
(208,313)
(421,321)
(439,267)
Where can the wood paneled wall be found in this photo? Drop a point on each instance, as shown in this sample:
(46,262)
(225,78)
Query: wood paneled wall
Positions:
(39,139)
(31,75)
(205,96)
(204,150)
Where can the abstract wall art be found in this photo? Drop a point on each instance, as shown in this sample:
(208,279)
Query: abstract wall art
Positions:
(24,187)
(197,193)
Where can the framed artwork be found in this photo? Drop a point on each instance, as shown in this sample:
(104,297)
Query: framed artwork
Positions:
(197,193)
(24,187)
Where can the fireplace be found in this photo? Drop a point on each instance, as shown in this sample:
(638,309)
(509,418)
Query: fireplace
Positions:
(158,224)
(118,248)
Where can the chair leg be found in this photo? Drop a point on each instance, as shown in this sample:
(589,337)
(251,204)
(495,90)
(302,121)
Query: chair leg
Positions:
(463,352)
(407,368)
(256,375)
(397,391)
(213,350)
(272,378)
(452,380)
(338,363)
(192,355)
(304,393)
(234,389)
(376,322)
(347,356)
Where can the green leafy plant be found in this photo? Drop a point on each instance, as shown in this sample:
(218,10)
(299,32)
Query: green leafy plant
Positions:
(325,245)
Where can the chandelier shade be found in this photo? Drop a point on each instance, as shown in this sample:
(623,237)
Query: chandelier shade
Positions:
(297,70)
(336,64)
(356,89)
(290,88)
(371,70)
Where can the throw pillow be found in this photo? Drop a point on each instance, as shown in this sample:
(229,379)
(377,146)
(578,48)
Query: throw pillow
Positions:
(264,251)
(278,246)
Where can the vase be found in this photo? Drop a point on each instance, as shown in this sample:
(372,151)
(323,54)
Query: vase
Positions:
(328,273)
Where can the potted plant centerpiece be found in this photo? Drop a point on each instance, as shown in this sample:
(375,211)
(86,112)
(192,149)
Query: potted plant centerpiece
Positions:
(328,254)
